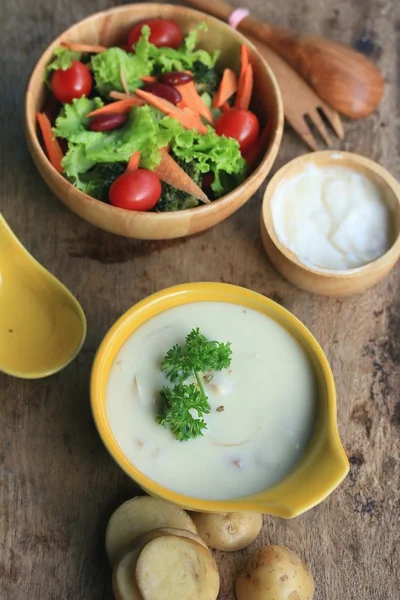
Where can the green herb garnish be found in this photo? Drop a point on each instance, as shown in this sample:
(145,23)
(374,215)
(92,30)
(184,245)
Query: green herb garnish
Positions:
(178,403)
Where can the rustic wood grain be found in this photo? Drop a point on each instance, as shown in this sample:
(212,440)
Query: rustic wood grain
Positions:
(58,485)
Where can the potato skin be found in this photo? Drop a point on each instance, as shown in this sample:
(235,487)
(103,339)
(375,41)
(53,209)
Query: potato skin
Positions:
(275,573)
(228,531)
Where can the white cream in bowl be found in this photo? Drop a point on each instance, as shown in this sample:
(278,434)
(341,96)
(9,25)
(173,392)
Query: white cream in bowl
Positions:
(332,218)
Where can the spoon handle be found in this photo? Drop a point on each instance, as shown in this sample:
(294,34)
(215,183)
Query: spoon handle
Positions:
(344,78)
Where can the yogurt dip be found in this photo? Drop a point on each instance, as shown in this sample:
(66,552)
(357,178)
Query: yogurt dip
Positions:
(332,218)
(263,408)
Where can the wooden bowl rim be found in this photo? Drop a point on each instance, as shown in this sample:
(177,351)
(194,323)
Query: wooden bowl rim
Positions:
(31,131)
(346,159)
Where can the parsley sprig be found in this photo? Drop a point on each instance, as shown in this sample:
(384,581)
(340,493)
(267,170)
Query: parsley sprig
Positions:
(181,402)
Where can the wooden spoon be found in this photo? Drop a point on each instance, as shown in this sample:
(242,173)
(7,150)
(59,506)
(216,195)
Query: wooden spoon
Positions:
(42,325)
(344,78)
(299,100)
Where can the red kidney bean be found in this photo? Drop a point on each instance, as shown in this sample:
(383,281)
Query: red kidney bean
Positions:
(176,78)
(107,122)
(163,91)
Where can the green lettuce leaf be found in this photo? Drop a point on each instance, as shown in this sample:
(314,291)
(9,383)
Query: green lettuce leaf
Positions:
(62,59)
(165,60)
(210,152)
(107,67)
(147,130)
(72,122)
(75,163)
(139,134)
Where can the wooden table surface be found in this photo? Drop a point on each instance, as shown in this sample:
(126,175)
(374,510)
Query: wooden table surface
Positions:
(58,485)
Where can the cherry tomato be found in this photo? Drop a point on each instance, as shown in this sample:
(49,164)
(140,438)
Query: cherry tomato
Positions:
(163,32)
(136,190)
(240,124)
(71,83)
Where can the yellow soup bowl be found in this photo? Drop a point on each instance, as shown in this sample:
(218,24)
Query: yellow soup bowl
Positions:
(323,465)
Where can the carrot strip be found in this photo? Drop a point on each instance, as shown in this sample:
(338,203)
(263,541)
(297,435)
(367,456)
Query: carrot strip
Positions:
(225,106)
(170,172)
(122,96)
(227,88)
(134,160)
(89,48)
(245,89)
(53,148)
(193,100)
(186,118)
(120,107)
(148,79)
(123,80)
(181,104)
(244,60)
(254,154)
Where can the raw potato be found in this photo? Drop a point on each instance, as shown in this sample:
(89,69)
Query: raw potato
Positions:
(175,568)
(228,531)
(124,577)
(275,573)
(137,516)
(183,533)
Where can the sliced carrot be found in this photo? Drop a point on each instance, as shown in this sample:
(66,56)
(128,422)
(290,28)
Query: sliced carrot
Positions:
(245,89)
(53,148)
(227,88)
(192,99)
(181,104)
(89,48)
(133,163)
(254,154)
(225,106)
(122,96)
(170,172)
(148,79)
(244,60)
(122,106)
(187,118)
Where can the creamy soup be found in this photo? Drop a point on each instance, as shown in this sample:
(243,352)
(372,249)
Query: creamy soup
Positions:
(262,407)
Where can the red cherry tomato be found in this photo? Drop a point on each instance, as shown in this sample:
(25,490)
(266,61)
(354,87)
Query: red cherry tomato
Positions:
(163,32)
(240,124)
(71,83)
(136,190)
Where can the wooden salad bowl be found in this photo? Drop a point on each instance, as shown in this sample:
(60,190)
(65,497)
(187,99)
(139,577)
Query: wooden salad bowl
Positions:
(111,28)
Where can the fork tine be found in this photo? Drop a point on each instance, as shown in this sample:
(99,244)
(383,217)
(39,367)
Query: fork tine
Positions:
(319,124)
(333,118)
(304,132)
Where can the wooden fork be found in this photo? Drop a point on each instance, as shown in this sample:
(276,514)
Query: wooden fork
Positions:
(300,100)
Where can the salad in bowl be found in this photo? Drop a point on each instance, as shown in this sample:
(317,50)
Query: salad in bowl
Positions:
(153,121)
(151,125)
